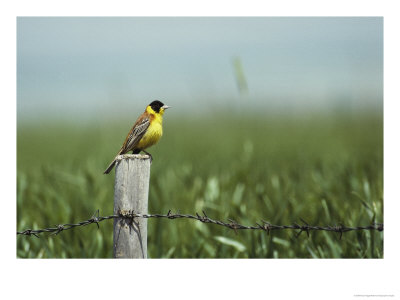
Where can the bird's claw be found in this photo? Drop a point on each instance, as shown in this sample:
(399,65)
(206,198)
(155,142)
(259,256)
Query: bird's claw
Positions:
(151,157)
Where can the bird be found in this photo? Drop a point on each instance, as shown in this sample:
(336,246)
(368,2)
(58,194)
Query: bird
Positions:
(146,132)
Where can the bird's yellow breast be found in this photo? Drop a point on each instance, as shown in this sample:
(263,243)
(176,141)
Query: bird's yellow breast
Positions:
(153,133)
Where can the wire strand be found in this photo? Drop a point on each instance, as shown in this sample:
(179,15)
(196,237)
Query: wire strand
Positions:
(231,224)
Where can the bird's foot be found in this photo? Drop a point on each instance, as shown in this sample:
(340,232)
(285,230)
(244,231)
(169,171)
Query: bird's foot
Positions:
(151,157)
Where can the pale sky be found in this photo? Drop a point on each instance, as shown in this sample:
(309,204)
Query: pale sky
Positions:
(83,66)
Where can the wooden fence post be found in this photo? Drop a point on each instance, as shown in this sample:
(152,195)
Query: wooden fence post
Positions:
(131,190)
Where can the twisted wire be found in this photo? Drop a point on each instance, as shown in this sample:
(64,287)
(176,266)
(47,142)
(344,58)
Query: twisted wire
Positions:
(231,224)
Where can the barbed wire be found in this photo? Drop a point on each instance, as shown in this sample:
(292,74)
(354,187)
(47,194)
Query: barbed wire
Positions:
(231,224)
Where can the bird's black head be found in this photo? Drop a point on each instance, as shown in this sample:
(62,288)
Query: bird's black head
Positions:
(156,105)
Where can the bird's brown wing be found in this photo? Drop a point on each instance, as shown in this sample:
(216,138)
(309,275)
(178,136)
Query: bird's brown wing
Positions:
(136,133)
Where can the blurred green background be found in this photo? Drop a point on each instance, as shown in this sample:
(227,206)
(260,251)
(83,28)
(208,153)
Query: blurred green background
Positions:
(326,170)
(304,141)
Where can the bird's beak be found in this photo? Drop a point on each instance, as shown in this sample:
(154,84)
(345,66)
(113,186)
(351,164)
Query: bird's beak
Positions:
(165,107)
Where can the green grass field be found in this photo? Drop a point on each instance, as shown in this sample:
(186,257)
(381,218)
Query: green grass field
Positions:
(327,170)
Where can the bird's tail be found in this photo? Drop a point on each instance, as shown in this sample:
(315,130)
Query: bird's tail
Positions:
(110,167)
(112,164)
